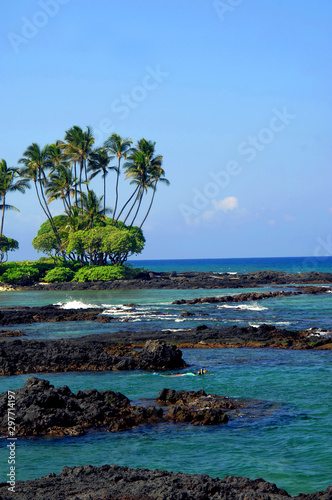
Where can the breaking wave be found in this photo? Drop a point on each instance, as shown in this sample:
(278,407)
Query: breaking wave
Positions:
(243,307)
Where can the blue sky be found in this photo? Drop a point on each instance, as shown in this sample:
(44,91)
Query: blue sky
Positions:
(236,94)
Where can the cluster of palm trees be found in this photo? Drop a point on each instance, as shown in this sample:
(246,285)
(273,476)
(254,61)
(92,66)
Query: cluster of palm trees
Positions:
(63,171)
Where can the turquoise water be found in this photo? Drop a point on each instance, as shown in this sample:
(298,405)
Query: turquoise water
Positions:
(286,264)
(153,310)
(284,438)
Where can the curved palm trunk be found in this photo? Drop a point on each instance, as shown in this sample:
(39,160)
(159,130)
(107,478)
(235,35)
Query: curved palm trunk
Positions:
(3,214)
(105,193)
(124,206)
(131,208)
(116,189)
(147,213)
(49,215)
(75,173)
(139,206)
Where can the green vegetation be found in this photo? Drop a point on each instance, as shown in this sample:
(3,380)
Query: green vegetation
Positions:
(102,273)
(26,273)
(9,183)
(88,232)
(23,273)
(59,275)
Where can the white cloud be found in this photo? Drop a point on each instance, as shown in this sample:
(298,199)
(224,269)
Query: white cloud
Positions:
(226,204)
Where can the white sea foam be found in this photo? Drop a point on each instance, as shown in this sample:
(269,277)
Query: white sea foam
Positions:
(174,330)
(317,332)
(243,307)
(275,323)
(75,304)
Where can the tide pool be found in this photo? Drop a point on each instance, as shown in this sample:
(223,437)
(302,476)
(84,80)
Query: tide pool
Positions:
(286,439)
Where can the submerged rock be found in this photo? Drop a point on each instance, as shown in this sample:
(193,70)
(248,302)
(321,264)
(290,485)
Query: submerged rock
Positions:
(196,407)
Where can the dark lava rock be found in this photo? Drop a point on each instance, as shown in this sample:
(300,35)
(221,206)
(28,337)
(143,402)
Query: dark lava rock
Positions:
(208,416)
(157,354)
(12,333)
(90,353)
(103,352)
(42,409)
(112,482)
(184,281)
(26,315)
(196,407)
(245,297)
(198,399)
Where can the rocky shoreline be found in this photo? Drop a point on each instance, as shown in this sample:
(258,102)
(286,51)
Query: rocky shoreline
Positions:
(189,280)
(123,483)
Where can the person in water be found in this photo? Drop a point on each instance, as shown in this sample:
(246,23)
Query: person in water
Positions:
(202,371)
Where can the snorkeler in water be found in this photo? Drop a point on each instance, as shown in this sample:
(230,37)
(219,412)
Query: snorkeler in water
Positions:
(202,371)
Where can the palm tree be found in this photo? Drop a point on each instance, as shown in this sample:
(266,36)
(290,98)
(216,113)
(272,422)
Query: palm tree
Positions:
(156,175)
(119,148)
(78,147)
(141,165)
(92,205)
(61,185)
(98,163)
(37,161)
(9,184)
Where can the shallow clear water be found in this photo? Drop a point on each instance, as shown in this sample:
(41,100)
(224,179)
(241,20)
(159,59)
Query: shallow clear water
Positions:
(285,439)
(153,310)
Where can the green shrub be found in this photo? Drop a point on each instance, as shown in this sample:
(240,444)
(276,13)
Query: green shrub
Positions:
(24,273)
(100,273)
(59,275)
(27,272)
(20,275)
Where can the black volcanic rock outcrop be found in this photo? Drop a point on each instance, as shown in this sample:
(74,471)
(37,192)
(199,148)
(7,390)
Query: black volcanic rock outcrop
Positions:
(42,409)
(189,280)
(245,297)
(123,483)
(83,354)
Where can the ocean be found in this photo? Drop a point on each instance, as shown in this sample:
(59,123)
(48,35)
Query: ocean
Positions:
(287,264)
(284,438)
